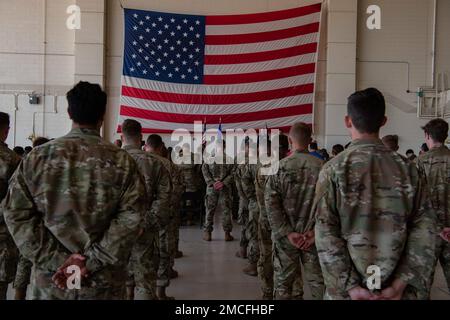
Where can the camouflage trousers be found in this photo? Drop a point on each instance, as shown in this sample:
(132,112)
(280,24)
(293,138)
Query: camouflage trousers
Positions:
(166,245)
(442,257)
(23,273)
(265,262)
(143,266)
(212,200)
(410,293)
(287,266)
(253,251)
(243,221)
(176,229)
(9,256)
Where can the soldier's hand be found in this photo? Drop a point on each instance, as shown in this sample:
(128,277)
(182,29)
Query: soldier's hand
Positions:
(445,234)
(310,239)
(359,293)
(296,239)
(75,260)
(395,291)
(60,280)
(218,185)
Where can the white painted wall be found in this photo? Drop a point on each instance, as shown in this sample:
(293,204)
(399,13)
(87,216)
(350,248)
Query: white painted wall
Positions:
(38,53)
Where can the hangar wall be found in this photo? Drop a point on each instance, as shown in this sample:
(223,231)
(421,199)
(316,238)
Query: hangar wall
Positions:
(40,54)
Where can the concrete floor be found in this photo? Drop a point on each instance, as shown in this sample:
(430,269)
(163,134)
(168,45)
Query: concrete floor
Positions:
(210,271)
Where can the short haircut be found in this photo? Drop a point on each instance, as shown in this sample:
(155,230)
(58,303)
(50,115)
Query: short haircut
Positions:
(155,141)
(367,109)
(39,141)
(19,151)
(338,148)
(4,120)
(131,129)
(301,133)
(28,149)
(410,151)
(437,129)
(391,142)
(87,103)
(424,147)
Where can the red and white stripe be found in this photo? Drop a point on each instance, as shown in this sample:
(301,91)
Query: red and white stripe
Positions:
(259,70)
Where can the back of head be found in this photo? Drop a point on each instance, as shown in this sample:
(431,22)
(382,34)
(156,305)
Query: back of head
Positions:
(4,120)
(367,109)
(300,134)
(87,104)
(155,141)
(337,149)
(132,130)
(437,129)
(19,151)
(391,142)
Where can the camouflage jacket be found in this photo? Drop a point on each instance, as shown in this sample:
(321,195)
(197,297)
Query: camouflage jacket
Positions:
(218,172)
(436,166)
(176,177)
(8,164)
(76,194)
(192,175)
(158,186)
(248,181)
(8,250)
(371,209)
(289,194)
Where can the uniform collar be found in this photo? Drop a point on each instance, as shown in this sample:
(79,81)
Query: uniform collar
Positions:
(131,147)
(365,142)
(301,152)
(84,131)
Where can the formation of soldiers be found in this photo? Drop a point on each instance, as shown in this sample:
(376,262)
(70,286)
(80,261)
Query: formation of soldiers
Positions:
(79,201)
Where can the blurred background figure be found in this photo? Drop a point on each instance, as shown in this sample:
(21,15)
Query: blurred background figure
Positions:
(391,142)
(423,149)
(28,149)
(337,149)
(19,151)
(118,143)
(410,155)
(314,150)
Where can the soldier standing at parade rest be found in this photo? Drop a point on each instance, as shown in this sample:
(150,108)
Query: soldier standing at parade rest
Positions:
(289,198)
(77,201)
(372,211)
(9,255)
(144,261)
(436,165)
(219,178)
(155,146)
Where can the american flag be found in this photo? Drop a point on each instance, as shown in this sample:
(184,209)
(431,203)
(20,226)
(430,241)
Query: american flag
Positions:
(243,71)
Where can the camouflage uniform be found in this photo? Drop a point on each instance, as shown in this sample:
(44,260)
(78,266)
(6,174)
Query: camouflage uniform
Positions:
(212,173)
(77,194)
(243,214)
(144,261)
(289,200)
(248,177)
(179,187)
(436,166)
(167,235)
(9,254)
(371,209)
(23,274)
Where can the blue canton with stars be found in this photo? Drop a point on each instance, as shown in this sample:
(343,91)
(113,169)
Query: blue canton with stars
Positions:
(164,47)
